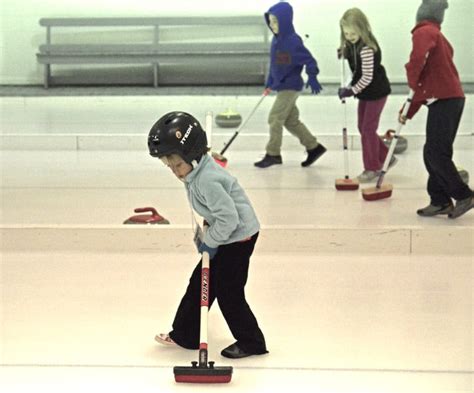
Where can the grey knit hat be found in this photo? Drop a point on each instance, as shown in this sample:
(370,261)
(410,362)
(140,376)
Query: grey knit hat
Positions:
(432,10)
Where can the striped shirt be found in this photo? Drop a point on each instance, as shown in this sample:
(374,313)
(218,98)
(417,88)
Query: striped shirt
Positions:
(367,56)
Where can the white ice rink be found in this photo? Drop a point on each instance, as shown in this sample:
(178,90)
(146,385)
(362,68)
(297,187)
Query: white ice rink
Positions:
(352,296)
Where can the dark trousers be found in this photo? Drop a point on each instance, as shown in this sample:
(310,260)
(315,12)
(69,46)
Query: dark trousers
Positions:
(374,150)
(444,182)
(228,276)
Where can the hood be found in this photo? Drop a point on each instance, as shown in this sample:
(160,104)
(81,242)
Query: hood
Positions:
(284,13)
(432,10)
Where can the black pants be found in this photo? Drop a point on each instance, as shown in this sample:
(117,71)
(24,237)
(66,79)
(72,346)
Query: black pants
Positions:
(444,182)
(228,276)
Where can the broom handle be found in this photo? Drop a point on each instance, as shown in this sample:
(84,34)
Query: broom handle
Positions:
(394,141)
(227,145)
(205,280)
(209,116)
(344,127)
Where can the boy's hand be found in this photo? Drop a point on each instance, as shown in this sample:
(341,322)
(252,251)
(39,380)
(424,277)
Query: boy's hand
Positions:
(205,248)
(313,84)
(267,91)
(344,92)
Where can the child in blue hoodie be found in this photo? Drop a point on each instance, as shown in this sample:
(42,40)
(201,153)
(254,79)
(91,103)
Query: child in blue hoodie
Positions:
(288,56)
(179,140)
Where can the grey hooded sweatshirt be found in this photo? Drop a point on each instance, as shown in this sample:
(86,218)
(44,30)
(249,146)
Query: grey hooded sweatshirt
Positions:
(217,196)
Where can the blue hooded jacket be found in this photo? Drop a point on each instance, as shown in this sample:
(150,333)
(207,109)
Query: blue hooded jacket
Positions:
(288,54)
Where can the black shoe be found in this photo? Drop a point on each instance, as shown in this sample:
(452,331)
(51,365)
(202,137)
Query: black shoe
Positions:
(462,207)
(432,210)
(268,160)
(313,155)
(234,352)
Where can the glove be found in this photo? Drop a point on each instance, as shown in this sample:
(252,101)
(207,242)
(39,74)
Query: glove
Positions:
(344,92)
(314,84)
(205,248)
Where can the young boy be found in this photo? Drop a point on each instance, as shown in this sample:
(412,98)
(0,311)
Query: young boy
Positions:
(287,57)
(433,77)
(178,139)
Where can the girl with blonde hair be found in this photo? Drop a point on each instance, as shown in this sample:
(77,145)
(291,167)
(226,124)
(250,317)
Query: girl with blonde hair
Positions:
(369,84)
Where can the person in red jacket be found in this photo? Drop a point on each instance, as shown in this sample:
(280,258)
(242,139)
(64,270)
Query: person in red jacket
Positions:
(434,79)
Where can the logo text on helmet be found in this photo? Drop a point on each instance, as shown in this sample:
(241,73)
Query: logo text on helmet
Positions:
(188,131)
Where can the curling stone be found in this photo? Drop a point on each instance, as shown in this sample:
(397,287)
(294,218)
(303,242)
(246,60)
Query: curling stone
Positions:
(464,174)
(401,145)
(153,218)
(228,119)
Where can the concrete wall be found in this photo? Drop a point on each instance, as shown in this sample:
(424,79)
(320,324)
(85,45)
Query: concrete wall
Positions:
(391,20)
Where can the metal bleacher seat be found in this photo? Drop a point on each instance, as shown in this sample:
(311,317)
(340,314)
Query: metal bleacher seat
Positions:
(210,41)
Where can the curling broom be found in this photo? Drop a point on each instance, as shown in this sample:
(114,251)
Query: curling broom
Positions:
(203,371)
(382,191)
(227,145)
(345,184)
(219,158)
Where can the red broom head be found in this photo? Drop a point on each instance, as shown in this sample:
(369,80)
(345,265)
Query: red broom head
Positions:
(203,378)
(223,164)
(375,194)
(220,159)
(203,374)
(347,184)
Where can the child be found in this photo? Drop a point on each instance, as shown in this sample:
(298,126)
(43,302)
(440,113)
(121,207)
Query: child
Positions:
(433,77)
(178,139)
(369,84)
(287,58)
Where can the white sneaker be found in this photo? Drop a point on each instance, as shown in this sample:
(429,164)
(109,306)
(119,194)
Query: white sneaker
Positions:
(367,176)
(164,339)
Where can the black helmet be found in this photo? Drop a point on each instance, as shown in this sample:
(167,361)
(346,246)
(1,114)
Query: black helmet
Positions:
(177,133)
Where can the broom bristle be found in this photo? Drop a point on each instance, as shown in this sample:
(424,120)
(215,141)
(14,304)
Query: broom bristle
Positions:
(203,378)
(346,184)
(375,194)
(220,159)
(202,374)
(376,197)
(223,164)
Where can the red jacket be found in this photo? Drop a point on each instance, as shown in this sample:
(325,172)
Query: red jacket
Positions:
(431,72)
